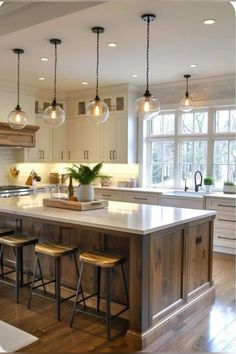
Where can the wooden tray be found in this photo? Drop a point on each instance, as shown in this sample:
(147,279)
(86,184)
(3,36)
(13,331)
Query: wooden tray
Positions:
(69,204)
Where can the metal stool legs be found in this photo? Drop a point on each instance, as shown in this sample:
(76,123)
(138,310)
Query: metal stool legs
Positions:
(108,316)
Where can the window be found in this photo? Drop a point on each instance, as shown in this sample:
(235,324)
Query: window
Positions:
(225,121)
(194,123)
(162,165)
(179,144)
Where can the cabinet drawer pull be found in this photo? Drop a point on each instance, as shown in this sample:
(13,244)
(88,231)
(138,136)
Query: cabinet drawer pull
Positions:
(226,238)
(110,154)
(114,154)
(43,154)
(226,220)
(106,195)
(61,155)
(198,240)
(69,154)
(228,206)
(84,154)
(139,198)
(87,154)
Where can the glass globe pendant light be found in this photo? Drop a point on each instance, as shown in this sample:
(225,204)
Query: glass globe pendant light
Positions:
(97,111)
(53,115)
(17,119)
(186,104)
(147,106)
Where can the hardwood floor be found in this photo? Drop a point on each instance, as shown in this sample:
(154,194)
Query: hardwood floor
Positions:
(212,329)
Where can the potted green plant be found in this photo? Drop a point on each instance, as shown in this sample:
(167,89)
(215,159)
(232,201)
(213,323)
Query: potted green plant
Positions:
(229,187)
(85,175)
(208,182)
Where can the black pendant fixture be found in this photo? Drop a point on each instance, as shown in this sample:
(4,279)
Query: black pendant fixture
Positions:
(186,104)
(97,111)
(53,115)
(17,119)
(147,106)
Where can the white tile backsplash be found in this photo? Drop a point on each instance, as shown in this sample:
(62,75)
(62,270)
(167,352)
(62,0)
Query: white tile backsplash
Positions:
(7,160)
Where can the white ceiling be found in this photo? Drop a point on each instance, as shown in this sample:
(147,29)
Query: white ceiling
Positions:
(178,38)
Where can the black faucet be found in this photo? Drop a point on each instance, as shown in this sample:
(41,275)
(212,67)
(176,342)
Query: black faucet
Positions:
(195,181)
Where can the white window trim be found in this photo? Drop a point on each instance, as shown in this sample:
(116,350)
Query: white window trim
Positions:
(211,136)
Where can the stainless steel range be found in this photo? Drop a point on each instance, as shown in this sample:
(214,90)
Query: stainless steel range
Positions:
(13,191)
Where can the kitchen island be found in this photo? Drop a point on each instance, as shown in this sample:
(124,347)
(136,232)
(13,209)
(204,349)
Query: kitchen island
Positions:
(169,254)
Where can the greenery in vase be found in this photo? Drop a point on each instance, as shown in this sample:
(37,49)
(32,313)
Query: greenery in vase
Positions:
(229,183)
(84,174)
(208,181)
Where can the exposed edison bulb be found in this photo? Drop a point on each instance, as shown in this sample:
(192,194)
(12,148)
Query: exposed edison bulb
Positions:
(186,104)
(17,119)
(54,116)
(97,111)
(147,107)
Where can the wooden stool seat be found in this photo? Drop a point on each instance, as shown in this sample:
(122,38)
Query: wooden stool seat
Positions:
(54,249)
(18,240)
(101,259)
(6,231)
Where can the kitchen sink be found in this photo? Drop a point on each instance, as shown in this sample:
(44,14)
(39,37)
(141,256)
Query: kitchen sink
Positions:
(185,194)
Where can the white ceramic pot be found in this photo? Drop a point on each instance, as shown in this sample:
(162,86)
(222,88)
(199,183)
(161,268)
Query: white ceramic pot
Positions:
(229,189)
(208,188)
(85,193)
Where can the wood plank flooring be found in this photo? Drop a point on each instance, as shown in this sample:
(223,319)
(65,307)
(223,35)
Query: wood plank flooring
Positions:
(212,329)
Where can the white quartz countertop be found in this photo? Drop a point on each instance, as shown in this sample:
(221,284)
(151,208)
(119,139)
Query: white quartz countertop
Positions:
(119,216)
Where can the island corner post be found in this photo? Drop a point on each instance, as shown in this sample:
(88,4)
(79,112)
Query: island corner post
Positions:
(170,270)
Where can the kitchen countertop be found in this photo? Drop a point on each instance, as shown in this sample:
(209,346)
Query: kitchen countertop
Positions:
(119,216)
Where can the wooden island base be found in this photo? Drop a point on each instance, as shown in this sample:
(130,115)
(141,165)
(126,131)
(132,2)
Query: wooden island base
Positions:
(169,271)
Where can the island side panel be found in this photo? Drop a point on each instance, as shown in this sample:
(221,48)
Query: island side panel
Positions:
(166,273)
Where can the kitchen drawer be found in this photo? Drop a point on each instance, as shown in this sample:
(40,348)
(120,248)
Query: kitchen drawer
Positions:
(221,204)
(109,195)
(141,198)
(225,224)
(225,239)
(223,215)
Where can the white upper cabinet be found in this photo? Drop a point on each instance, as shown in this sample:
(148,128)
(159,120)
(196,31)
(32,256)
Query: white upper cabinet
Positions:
(114,141)
(83,139)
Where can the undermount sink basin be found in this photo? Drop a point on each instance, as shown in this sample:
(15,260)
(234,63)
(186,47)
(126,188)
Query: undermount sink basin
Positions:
(186,194)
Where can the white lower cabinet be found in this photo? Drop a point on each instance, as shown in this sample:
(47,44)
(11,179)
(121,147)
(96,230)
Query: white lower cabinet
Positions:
(108,195)
(225,223)
(141,198)
(127,196)
(178,202)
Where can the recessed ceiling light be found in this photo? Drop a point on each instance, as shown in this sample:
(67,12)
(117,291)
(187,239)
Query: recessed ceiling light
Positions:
(1,2)
(84,83)
(44,59)
(112,44)
(41,78)
(134,75)
(193,65)
(209,21)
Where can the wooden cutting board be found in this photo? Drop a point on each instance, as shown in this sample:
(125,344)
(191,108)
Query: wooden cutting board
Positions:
(69,204)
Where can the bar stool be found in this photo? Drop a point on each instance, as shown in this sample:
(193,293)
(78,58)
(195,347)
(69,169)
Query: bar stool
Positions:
(57,251)
(17,242)
(108,262)
(4,231)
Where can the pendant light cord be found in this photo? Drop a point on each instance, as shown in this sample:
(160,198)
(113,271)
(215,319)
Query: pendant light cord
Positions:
(147,54)
(55,74)
(186,94)
(97,67)
(18,82)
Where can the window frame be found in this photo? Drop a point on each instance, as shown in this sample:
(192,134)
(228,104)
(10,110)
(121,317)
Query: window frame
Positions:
(211,136)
